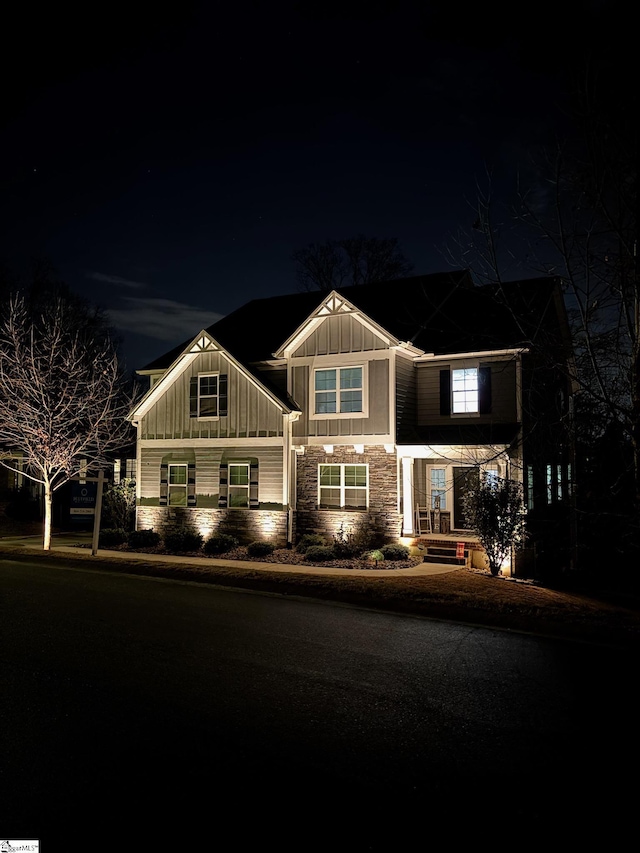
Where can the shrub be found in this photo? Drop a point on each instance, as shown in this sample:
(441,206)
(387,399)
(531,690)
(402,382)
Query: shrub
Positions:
(183,540)
(119,505)
(320,553)
(375,556)
(353,544)
(219,543)
(395,552)
(308,540)
(111,537)
(260,549)
(143,539)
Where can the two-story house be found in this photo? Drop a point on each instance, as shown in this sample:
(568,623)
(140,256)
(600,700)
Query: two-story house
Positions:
(373,404)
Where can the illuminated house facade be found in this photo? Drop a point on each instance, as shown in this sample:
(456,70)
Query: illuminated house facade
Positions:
(370,405)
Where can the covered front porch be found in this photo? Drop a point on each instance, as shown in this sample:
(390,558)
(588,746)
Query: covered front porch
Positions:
(434,480)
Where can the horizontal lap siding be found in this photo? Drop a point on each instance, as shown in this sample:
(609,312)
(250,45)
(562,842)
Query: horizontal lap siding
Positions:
(503,394)
(270,468)
(405,396)
(250,412)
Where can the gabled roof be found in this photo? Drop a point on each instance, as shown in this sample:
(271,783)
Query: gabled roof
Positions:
(204,342)
(441,313)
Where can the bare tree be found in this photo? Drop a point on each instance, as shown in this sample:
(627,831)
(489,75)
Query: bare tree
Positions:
(354,260)
(62,393)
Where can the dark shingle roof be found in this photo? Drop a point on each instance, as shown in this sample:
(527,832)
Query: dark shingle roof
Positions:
(441,313)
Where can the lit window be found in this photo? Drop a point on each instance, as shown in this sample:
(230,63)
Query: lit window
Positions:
(438,488)
(130,469)
(177,485)
(464,388)
(338,390)
(342,486)
(559,482)
(208,396)
(569,480)
(529,486)
(549,484)
(238,484)
(491,476)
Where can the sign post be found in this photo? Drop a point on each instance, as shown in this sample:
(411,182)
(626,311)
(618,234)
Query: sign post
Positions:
(88,502)
(96,518)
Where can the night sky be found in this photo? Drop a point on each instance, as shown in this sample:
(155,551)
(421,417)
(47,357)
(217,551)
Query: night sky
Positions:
(169,162)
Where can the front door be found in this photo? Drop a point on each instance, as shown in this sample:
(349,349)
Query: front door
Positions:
(463,479)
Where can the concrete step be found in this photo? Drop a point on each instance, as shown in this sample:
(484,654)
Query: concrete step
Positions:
(448,560)
(445,551)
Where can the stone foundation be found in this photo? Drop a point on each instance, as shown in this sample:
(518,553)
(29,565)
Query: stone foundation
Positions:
(247,525)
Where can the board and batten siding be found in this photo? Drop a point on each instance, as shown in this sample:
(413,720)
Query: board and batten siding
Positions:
(376,424)
(207,462)
(339,334)
(250,412)
(503,393)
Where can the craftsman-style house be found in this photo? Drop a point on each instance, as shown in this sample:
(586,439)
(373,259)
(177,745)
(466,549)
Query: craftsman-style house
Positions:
(373,404)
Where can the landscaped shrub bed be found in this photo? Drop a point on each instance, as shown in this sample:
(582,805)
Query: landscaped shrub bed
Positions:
(186,543)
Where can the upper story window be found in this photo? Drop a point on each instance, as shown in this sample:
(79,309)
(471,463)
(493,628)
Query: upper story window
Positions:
(464,390)
(338,390)
(208,395)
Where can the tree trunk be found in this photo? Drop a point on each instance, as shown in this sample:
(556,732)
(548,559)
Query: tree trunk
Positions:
(48,501)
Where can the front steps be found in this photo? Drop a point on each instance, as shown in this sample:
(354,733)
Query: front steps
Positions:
(446,555)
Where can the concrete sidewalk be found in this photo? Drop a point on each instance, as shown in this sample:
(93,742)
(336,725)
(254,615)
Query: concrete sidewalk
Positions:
(71,543)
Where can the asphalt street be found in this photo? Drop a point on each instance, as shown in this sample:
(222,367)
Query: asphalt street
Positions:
(180,708)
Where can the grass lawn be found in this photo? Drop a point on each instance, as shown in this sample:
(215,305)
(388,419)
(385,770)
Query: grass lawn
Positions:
(459,595)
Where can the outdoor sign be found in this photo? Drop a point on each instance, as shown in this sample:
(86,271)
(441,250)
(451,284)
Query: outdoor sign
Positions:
(83,501)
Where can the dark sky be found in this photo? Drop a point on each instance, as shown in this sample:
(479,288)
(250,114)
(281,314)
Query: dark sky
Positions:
(169,162)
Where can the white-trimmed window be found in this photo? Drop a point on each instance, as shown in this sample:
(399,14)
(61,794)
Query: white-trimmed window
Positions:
(491,476)
(177,485)
(465,395)
(339,390)
(342,486)
(238,484)
(208,393)
(438,487)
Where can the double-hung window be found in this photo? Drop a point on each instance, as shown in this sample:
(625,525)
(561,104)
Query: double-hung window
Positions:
(177,485)
(208,396)
(342,486)
(338,390)
(238,484)
(464,390)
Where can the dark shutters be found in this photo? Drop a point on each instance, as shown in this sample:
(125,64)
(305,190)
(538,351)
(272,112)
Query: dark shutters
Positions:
(222,395)
(164,483)
(484,390)
(193,397)
(223,491)
(253,485)
(445,392)
(191,484)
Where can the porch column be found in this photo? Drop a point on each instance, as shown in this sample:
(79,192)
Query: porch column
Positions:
(407,496)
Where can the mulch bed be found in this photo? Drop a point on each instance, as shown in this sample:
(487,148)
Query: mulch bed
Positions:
(282,556)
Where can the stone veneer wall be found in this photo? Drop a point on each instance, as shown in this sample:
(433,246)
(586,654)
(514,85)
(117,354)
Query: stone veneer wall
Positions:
(247,525)
(382,514)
